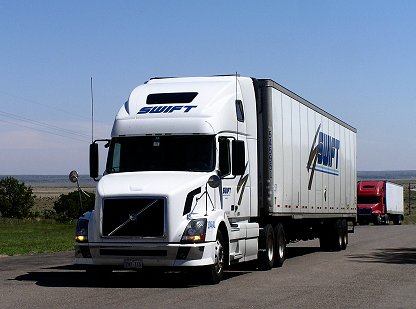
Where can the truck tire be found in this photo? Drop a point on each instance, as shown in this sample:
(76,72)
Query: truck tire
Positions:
(324,237)
(338,235)
(279,234)
(397,220)
(344,234)
(331,237)
(215,272)
(267,248)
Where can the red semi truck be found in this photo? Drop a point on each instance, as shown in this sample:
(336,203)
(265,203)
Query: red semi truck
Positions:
(379,202)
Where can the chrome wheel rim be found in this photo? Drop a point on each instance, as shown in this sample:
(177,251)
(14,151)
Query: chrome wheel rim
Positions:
(270,248)
(219,257)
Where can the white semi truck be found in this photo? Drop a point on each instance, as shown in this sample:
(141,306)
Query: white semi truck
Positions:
(206,172)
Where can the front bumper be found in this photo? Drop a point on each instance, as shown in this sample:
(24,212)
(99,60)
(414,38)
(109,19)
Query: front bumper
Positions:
(150,254)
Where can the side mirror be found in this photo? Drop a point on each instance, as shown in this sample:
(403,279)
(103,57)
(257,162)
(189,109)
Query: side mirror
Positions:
(94,160)
(73,176)
(238,157)
(214,181)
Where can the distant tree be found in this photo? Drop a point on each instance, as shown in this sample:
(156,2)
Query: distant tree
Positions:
(68,206)
(16,199)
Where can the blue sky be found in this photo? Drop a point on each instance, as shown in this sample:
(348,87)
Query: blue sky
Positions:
(354,59)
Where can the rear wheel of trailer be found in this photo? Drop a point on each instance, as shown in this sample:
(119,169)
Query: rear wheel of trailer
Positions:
(397,220)
(332,236)
(344,234)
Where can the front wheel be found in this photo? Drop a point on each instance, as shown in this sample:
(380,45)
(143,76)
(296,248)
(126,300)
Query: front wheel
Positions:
(215,272)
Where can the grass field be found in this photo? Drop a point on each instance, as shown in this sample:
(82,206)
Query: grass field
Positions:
(19,237)
(410,219)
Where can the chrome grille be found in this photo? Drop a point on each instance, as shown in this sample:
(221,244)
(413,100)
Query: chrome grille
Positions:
(133,217)
(364,211)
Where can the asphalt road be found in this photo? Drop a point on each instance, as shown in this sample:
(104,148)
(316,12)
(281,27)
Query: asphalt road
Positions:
(378,270)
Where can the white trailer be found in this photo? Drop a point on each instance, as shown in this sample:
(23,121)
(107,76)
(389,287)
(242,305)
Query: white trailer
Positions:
(210,171)
(394,199)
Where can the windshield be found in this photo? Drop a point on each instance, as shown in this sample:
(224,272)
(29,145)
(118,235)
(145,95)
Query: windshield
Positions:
(161,153)
(368,199)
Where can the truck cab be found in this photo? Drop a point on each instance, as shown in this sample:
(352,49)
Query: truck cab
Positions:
(371,202)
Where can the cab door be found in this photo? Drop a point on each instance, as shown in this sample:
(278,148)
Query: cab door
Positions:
(234,175)
(228,180)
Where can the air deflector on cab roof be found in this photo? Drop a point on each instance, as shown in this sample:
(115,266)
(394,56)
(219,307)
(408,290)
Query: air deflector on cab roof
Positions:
(171,98)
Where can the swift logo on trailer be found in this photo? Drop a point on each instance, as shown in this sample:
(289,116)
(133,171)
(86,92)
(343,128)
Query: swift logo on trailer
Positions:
(165,109)
(323,156)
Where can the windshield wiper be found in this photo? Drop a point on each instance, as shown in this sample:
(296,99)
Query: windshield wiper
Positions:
(132,217)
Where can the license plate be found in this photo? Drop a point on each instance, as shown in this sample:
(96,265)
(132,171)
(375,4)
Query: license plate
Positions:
(133,264)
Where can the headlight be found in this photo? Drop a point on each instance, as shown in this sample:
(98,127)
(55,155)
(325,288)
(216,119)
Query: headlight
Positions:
(195,231)
(81,230)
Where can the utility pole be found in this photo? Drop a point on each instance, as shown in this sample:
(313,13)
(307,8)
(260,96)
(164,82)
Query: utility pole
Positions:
(409,198)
